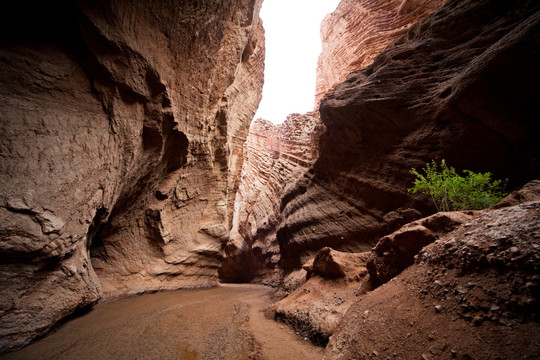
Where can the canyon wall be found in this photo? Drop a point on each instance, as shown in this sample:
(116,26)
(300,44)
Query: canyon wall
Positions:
(358,31)
(121,131)
(351,38)
(275,157)
(459,85)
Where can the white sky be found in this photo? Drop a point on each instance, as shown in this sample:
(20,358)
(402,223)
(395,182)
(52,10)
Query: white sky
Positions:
(293,44)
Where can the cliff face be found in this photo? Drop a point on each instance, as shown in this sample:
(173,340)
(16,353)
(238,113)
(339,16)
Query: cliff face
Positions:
(275,157)
(458,86)
(358,31)
(121,132)
(351,37)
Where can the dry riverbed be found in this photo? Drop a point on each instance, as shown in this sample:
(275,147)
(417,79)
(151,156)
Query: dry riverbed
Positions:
(226,322)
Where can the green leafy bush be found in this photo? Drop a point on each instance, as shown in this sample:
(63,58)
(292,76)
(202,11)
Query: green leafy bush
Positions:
(451,191)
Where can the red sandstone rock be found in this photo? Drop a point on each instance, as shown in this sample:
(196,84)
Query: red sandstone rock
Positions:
(358,31)
(332,264)
(276,156)
(459,85)
(395,252)
(529,192)
(316,307)
(121,132)
(481,279)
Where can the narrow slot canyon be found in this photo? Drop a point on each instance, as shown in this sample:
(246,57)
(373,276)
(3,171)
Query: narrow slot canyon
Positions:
(146,213)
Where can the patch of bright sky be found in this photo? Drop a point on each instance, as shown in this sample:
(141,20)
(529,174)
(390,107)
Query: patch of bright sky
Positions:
(293,44)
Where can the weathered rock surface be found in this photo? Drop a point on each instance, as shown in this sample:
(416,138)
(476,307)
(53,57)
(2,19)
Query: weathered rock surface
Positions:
(332,264)
(352,36)
(316,307)
(358,31)
(120,136)
(275,157)
(458,85)
(529,192)
(471,294)
(395,252)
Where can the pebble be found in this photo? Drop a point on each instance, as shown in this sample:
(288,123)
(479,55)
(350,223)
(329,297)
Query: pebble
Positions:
(438,308)
(477,320)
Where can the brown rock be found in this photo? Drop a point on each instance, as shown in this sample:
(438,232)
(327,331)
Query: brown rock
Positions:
(358,31)
(529,192)
(332,264)
(395,252)
(458,86)
(276,156)
(121,131)
(479,280)
(315,308)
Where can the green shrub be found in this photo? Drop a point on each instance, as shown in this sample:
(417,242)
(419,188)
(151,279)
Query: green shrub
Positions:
(450,191)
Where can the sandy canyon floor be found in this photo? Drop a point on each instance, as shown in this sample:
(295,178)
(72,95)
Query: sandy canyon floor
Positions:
(226,322)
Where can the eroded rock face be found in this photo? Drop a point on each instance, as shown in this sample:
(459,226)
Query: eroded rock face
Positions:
(275,157)
(358,31)
(121,134)
(458,86)
(332,264)
(317,306)
(352,36)
(483,278)
(395,252)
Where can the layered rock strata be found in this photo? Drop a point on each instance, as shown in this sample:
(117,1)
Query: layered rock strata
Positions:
(358,31)
(352,36)
(121,132)
(458,86)
(275,157)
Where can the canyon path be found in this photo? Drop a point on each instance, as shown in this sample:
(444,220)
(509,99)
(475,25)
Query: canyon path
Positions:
(226,322)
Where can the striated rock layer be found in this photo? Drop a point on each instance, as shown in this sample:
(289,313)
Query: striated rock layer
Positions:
(351,37)
(460,85)
(275,157)
(358,31)
(120,136)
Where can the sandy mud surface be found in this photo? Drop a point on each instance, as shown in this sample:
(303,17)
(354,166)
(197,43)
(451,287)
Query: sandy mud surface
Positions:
(227,322)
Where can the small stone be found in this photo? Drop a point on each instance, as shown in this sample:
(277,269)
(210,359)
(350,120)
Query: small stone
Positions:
(453,353)
(425,357)
(494,307)
(477,320)
(374,353)
(438,308)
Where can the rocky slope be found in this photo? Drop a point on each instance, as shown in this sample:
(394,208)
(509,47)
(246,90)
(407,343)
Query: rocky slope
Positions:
(358,31)
(121,132)
(458,85)
(275,157)
(473,294)
(444,276)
